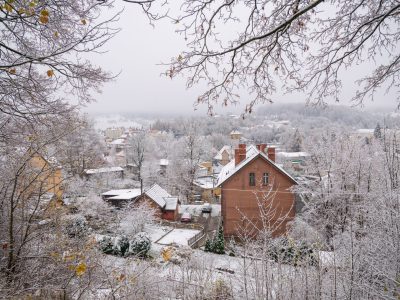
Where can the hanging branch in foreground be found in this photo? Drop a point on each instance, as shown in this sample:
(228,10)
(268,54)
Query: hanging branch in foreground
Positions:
(251,47)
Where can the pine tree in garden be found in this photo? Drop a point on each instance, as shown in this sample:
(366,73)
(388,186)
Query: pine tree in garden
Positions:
(219,242)
(208,247)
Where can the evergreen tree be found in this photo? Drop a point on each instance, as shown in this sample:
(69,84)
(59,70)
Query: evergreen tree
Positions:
(219,242)
(208,247)
(296,142)
(378,131)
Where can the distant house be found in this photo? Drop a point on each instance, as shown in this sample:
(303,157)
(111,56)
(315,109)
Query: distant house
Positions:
(158,198)
(163,166)
(224,155)
(121,198)
(364,133)
(235,135)
(118,144)
(244,181)
(293,160)
(113,133)
(115,171)
(45,175)
(207,188)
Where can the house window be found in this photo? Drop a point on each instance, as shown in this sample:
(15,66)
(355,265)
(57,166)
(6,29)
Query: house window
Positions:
(252,179)
(265,179)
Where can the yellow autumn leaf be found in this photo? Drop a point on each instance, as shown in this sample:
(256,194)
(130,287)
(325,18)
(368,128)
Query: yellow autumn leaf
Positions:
(44,19)
(121,277)
(166,254)
(7,7)
(80,269)
(32,4)
(56,35)
(44,13)
(12,71)
(180,57)
(21,10)
(83,21)
(50,73)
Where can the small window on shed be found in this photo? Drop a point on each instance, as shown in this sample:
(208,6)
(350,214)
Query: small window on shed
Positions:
(252,179)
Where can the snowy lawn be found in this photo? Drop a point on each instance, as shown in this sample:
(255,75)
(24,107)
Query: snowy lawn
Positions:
(178,236)
(156,232)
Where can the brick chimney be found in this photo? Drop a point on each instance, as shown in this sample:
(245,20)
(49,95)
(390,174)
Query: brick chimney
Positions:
(271,153)
(240,154)
(261,147)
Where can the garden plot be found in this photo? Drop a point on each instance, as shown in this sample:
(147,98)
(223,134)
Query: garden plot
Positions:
(178,236)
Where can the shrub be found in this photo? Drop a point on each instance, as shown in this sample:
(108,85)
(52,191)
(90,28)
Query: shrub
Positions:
(121,246)
(217,245)
(140,245)
(293,253)
(208,247)
(106,245)
(77,227)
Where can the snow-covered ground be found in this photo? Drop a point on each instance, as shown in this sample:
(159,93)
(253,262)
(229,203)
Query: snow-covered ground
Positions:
(195,209)
(156,232)
(178,236)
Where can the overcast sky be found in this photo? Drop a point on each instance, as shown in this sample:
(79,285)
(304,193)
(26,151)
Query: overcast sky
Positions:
(138,50)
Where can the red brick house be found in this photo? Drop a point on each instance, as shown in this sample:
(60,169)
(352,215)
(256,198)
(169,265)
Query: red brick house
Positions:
(255,193)
(158,198)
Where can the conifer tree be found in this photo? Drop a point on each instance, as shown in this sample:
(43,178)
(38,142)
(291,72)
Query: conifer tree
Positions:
(378,131)
(219,242)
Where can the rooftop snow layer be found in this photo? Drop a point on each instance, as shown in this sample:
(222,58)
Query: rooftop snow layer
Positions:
(104,170)
(171,203)
(131,194)
(293,154)
(157,193)
(251,152)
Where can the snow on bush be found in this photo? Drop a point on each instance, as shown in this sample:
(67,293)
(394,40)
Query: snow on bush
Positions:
(106,244)
(122,246)
(217,244)
(76,227)
(176,254)
(288,251)
(140,244)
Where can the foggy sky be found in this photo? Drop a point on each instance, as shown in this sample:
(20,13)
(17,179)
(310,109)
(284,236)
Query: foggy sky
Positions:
(138,50)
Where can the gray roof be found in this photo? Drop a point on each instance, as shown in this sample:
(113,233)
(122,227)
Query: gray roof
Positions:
(157,194)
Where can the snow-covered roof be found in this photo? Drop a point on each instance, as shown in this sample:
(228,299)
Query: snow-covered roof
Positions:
(365,131)
(293,154)
(224,148)
(235,132)
(205,182)
(171,203)
(157,194)
(104,170)
(164,162)
(116,192)
(251,152)
(131,194)
(118,142)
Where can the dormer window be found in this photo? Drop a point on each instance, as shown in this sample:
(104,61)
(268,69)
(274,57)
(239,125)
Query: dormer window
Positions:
(252,179)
